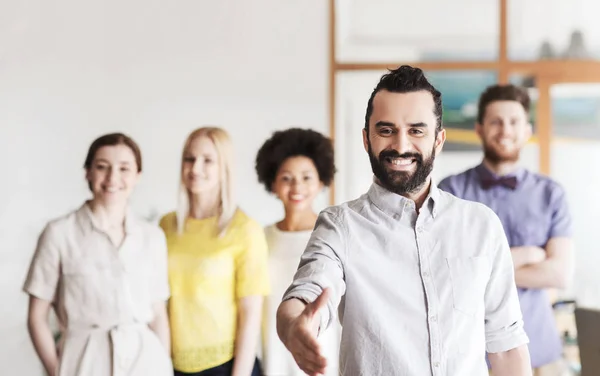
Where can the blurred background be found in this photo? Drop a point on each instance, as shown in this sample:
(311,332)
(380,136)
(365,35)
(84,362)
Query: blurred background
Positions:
(72,70)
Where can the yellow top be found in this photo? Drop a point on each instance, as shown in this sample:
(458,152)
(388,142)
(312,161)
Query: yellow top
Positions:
(207,276)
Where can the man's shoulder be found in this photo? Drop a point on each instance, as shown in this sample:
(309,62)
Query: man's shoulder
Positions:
(341,211)
(453,181)
(461,206)
(544,181)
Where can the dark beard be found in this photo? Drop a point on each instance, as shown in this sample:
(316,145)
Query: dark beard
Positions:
(401,182)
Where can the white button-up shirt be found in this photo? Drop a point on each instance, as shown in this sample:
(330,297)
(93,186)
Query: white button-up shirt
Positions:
(418,294)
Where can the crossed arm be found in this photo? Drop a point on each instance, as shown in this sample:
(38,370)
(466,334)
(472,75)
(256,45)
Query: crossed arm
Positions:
(540,268)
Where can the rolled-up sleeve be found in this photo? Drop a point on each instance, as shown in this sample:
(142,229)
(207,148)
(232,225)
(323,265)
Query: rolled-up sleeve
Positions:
(503,318)
(321,265)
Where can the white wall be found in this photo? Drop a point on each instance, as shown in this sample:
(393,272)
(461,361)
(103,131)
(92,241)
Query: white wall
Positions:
(71,70)
(406,30)
(573,167)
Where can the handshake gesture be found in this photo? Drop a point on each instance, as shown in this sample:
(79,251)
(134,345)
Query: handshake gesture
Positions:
(298,327)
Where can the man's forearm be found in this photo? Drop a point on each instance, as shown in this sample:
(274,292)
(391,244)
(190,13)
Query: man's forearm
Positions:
(546,274)
(525,255)
(286,313)
(514,362)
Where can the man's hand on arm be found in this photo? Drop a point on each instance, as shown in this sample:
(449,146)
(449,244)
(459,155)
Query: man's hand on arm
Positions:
(554,271)
(298,327)
(527,255)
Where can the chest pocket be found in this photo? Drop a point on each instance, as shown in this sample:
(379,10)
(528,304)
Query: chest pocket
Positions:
(469,277)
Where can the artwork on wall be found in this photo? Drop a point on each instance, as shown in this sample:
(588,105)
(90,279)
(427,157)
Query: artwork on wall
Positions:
(575,108)
(460,95)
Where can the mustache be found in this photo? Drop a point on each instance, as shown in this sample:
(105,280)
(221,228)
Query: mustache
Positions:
(391,153)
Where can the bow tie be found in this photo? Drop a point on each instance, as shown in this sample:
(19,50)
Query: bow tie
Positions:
(507,181)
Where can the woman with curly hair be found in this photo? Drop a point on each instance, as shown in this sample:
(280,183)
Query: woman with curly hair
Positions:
(295,165)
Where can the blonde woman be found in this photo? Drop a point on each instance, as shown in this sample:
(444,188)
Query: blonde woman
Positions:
(104,271)
(294,165)
(217,265)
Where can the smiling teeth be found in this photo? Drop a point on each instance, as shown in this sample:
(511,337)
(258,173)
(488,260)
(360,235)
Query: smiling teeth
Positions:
(401,161)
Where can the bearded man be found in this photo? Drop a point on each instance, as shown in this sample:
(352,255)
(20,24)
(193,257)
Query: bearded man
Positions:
(422,281)
(534,213)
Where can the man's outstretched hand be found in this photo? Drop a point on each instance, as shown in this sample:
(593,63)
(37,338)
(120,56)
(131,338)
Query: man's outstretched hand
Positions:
(301,337)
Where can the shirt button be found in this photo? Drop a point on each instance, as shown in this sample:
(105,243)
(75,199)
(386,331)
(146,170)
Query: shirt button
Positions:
(436,364)
(419,229)
(425,274)
(434,318)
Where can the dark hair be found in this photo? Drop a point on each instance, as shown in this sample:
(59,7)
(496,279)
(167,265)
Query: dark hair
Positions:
(406,79)
(502,93)
(295,142)
(113,139)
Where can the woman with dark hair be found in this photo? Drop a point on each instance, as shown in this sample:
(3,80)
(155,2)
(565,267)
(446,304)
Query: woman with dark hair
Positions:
(295,165)
(104,272)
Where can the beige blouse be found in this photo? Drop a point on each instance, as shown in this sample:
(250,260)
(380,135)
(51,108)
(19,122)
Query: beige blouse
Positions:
(102,294)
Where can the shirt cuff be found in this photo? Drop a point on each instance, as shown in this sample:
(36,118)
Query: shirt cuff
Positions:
(308,296)
(507,339)
(39,290)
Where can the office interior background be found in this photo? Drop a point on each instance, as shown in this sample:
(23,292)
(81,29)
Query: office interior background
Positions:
(71,71)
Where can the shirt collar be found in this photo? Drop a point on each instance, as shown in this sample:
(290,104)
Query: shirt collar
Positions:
(88,221)
(484,173)
(395,205)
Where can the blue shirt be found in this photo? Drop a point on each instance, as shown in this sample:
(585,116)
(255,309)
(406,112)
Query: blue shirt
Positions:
(532,213)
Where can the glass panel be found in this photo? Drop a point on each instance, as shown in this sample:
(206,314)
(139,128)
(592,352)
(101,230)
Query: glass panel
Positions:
(572,165)
(354,176)
(529,83)
(427,30)
(564,30)
(576,111)
(575,107)
(575,150)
